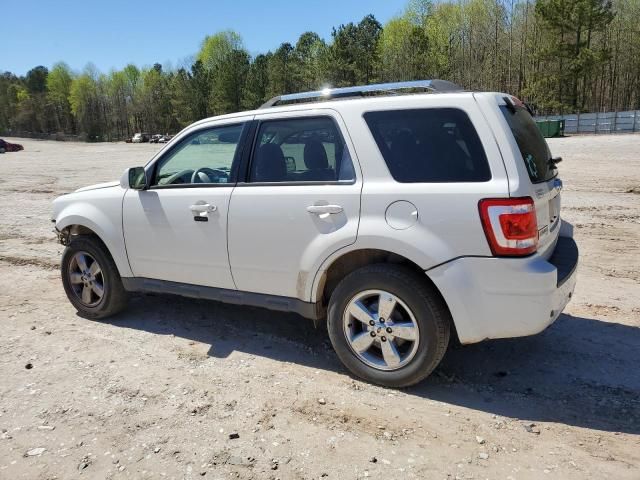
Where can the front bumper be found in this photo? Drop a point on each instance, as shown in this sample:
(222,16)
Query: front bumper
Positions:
(493,297)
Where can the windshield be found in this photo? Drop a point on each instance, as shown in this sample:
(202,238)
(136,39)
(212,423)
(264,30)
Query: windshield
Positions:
(532,145)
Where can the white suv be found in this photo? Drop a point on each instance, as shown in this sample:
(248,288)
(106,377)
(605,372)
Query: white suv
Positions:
(399,216)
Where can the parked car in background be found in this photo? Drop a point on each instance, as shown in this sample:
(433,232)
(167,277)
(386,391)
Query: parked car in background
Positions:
(165,139)
(141,138)
(402,219)
(9,147)
(155,138)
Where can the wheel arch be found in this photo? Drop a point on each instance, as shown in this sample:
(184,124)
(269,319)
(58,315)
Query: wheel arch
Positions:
(344,264)
(341,266)
(80,225)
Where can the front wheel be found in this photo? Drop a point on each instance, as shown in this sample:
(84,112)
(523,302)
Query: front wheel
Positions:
(91,279)
(387,325)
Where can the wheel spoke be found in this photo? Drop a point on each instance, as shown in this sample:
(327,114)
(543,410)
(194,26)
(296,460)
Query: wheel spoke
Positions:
(386,305)
(81,260)
(390,353)
(95,269)
(404,330)
(98,289)
(362,342)
(86,294)
(360,312)
(75,277)
(380,319)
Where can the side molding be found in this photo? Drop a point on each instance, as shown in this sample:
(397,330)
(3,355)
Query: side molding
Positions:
(313,311)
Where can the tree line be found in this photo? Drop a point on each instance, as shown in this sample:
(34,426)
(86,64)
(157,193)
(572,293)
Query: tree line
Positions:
(561,56)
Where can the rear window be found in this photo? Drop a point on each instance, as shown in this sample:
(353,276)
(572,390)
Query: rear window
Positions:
(532,145)
(434,145)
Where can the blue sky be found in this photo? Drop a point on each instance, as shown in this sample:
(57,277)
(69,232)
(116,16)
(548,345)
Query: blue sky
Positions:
(112,33)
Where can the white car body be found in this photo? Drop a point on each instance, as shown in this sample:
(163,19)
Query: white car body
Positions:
(262,246)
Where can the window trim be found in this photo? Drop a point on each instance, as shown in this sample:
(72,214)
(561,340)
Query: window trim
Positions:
(439,107)
(235,163)
(248,158)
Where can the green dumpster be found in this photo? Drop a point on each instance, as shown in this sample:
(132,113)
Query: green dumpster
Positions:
(551,128)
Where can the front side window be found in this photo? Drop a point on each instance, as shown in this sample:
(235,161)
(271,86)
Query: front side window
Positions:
(205,157)
(434,145)
(300,150)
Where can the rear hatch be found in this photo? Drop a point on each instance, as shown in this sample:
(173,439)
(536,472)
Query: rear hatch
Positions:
(541,169)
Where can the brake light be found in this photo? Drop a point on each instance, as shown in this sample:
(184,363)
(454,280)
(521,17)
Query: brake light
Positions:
(510,225)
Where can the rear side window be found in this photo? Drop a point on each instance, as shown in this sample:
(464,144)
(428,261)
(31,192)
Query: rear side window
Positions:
(434,145)
(301,150)
(531,143)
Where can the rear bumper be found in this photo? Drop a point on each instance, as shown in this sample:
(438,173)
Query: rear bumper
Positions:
(507,297)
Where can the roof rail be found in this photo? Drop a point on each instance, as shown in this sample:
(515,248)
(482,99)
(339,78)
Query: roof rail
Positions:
(436,86)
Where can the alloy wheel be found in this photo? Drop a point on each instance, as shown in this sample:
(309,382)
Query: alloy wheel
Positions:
(86,279)
(381,330)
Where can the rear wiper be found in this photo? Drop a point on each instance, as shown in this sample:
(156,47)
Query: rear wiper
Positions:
(553,161)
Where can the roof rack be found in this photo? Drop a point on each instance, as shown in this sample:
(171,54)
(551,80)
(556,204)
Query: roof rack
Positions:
(436,86)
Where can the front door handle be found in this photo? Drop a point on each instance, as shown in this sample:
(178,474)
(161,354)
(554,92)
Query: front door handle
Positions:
(203,208)
(324,210)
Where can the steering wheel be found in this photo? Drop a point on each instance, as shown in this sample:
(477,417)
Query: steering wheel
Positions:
(207,175)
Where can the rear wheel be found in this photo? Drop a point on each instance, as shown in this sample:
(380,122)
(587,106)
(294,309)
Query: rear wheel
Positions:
(91,279)
(387,325)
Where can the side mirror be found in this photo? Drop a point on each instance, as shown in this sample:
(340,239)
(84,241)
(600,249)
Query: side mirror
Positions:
(135,178)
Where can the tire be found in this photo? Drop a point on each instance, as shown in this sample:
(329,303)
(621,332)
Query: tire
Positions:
(419,312)
(92,306)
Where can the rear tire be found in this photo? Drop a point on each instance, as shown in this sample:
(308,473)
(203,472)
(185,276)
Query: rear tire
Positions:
(91,279)
(398,351)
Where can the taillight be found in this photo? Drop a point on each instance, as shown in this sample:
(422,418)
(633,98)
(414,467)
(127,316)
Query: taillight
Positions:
(510,225)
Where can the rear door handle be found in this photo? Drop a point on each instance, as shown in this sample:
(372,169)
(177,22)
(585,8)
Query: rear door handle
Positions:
(324,210)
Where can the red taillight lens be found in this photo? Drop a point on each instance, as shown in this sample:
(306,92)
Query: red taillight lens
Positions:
(518,226)
(510,225)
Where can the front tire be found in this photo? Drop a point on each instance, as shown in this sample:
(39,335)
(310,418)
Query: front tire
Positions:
(91,279)
(388,325)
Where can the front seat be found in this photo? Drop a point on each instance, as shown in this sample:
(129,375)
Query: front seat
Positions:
(270,165)
(317,163)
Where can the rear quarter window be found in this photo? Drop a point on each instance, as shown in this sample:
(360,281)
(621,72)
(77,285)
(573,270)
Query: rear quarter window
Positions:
(532,145)
(434,145)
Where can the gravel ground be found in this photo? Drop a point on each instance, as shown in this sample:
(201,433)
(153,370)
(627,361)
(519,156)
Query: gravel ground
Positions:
(177,388)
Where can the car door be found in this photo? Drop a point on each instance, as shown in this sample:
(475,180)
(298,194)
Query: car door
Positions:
(299,201)
(176,229)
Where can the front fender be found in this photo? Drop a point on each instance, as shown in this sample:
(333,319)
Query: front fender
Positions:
(103,216)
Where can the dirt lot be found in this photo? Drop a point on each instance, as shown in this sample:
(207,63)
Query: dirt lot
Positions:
(158,391)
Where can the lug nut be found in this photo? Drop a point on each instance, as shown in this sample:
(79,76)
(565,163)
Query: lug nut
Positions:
(372,323)
(389,330)
(382,320)
(384,339)
(373,334)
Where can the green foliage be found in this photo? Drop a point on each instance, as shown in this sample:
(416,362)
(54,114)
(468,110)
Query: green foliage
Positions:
(86,106)
(558,55)
(312,54)
(354,53)
(404,50)
(568,50)
(36,79)
(58,91)
(226,62)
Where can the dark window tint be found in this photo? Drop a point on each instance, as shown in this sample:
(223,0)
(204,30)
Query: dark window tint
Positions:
(300,150)
(429,145)
(531,143)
